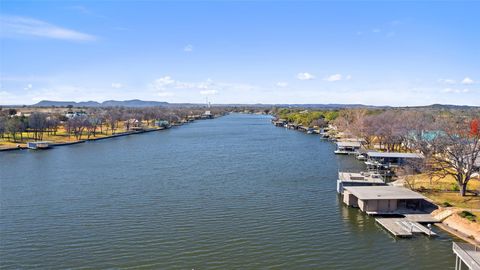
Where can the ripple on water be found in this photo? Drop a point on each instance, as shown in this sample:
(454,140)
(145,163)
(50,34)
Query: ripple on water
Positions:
(233,192)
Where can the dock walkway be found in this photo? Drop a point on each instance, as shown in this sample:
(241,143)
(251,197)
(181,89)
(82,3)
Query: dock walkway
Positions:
(403,227)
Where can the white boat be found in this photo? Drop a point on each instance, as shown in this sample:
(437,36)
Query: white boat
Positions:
(361,157)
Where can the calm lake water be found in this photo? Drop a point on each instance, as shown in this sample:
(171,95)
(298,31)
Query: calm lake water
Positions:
(230,193)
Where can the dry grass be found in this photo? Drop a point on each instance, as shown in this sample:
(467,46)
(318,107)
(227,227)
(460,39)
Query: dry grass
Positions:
(60,137)
(444,191)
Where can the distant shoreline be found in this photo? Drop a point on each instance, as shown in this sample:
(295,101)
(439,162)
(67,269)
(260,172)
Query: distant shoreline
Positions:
(122,134)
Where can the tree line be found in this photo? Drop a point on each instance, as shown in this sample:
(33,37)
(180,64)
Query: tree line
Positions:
(449,140)
(87,122)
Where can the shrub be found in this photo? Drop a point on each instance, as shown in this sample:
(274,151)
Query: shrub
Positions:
(446,204)
(468,215)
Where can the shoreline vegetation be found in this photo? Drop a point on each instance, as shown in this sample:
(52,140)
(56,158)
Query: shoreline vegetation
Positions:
(448,138)
(67,125)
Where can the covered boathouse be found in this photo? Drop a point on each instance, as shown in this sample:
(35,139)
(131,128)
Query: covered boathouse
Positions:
(384,199)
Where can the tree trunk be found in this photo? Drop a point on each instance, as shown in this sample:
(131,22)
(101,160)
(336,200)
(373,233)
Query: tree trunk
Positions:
(463,190)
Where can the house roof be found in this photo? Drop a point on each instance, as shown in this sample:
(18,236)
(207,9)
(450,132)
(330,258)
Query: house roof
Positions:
(393,155)
(383,193)
(348,144)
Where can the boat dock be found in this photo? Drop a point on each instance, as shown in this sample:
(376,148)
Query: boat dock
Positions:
(348,179)
(466,254)
(407,226)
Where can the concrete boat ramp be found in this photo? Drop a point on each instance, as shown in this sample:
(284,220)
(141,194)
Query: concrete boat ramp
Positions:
(408,225)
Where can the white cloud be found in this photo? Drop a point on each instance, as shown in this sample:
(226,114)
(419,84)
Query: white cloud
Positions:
(348,77)
(208,92)
(117,85)
(282,84)
(334,78)
(305,76)
(447,81)
(467,80)
(376,30)
(163,82)
(455,90)
(28,87)
(24,26)
(188,48)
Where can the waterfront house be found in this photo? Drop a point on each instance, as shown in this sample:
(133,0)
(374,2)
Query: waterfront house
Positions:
(384,199)
(71,114)
(162,123)
(207,115)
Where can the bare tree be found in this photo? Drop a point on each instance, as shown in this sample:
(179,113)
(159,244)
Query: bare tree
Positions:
(77,125)
(15,125)
(451,149)
(37,122)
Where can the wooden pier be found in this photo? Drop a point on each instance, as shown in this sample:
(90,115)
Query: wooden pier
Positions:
(403,227)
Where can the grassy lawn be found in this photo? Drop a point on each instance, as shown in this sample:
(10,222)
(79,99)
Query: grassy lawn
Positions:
(444,191)
(60,137)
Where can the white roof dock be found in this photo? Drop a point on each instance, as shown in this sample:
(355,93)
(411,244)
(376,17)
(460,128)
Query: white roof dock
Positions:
(393,155)
(361,177)
(384,193)
(349,144)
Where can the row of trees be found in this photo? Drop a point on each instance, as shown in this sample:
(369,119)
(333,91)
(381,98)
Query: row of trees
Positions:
(319,118)
(37,124)
(449,140)
(89,121)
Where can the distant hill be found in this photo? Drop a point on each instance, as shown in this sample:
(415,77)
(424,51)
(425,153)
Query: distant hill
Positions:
(108,103)
(142,103)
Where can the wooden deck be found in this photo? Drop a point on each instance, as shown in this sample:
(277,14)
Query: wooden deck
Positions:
(402,227)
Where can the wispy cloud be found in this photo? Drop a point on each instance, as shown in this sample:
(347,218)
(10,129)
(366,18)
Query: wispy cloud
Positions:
(467,80)
(334,78)
(282,84)
(162,83)
(117,85)
(455,90)
(188,48)
(23,26)
(447,81)
(208,92)
(305,76)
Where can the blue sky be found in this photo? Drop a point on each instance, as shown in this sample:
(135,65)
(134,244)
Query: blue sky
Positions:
(378,53)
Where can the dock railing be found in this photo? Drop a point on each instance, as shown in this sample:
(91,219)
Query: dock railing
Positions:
(467,254)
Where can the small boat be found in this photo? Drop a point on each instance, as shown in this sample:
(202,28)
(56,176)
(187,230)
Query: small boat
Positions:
(38,145)
(361,157)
